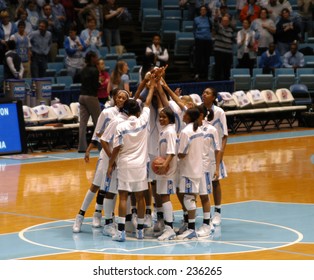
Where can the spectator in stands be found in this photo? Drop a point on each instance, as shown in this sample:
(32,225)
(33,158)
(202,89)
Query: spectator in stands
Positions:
(91,36)
(203,43)
(265,29)
(156,53)
(223,48)
(89,104)
(74,47)
(239,6)
(13,67)
(59,12)
(95,10)
(250,11)
(247,48)
(306,13)
(119,77)
(224,11)
(21,14)
(270,60)
(33,13)
(23,47)
(41,40)
(274,7)
(7,28)
(54,26)
(287,31)
(111,23)
(104,81)
(78,6)
(192,7)
(293,58)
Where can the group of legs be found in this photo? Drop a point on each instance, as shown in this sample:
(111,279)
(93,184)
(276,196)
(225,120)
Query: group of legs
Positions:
(142,205)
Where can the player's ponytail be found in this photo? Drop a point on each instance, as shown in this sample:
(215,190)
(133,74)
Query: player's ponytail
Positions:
(210,115)
(193,114)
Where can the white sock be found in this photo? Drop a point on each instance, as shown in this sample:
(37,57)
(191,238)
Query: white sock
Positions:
(128,205)
(87,200)
(98,207)
(167,209)
(108,208)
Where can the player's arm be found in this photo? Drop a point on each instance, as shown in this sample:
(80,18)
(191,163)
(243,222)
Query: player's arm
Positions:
(106,148)
(162,168)
(218,158)
(112,159)
(141,86)
(161,95)
(223,145)
(173,95)
(92,145)
(151,92)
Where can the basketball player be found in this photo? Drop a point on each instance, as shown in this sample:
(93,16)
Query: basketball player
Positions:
(190,152)
(211,160)
(179,107)
(129,154)
(220,123)
(106,115)
(110,184)
(166,183)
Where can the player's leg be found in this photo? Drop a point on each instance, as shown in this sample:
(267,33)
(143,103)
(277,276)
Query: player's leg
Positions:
(120,233)
(90,195)
(217,201)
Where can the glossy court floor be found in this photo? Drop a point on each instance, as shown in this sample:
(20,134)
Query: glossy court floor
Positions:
(268,206)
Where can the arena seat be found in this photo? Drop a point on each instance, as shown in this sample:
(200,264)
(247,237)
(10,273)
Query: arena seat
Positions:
(280,111)
(256,98)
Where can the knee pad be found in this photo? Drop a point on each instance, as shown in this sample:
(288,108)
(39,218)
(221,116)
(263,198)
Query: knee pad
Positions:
(189,202)
(100,197)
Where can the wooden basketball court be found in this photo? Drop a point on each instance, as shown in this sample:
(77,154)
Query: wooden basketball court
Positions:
(267,172)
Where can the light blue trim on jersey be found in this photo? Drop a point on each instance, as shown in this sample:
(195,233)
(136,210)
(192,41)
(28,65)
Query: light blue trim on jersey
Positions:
(104,125)
(170,187)
(129,131)
(211,136)
(111,139)
(187,185)
(222,170)
(219,124)
(208,182)
(197,135)
(177,118)
(107,184)
(162,141)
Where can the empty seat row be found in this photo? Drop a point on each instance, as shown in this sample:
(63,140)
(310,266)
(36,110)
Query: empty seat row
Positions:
(284,77)
(40,115)
(253,99)
(260,109)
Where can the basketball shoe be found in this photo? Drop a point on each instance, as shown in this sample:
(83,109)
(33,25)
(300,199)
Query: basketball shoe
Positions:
(205,230)
(167,234)
(119,236)
(78,223)
(109,230)
(96,219)
(188,234)
(140,233)
(216,219)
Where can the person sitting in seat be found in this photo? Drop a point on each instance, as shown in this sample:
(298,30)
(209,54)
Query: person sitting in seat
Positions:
(270,60)
(293,58)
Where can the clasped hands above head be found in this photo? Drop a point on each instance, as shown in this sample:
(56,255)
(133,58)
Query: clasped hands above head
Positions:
(157,73)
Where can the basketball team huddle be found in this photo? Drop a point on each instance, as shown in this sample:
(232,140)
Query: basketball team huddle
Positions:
(154,145)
